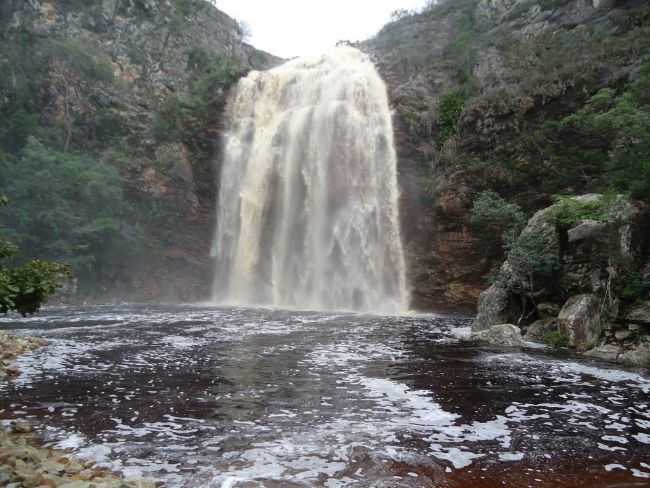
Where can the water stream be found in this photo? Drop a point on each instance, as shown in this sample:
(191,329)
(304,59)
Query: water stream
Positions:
(235,397)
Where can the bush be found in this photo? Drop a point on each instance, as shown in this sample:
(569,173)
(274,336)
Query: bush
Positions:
(24,289)
(635,287)
(571,211)
(532,257)
(67,207)
(624,123)
(449,111)
(556,340)
(84,58)
(496,222)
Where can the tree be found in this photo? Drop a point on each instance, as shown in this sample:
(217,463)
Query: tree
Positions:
(68,207)
(496,222)
(25,288)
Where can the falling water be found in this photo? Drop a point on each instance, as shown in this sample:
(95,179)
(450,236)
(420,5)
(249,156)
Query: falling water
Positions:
(308,206)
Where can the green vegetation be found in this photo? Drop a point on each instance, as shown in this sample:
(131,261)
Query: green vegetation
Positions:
(182,117)
(570,211)
(556,340)
(623,122)
(635,286)
(74,67)
(450,109)
(68,207)
(25,288)
(496,222)
(557,128)
(186,117)
(532,255)
(461,53)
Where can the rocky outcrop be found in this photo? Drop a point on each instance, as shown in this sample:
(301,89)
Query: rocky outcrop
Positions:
(539,330)
(504,335)
(481,49)
(10,348)
(494,308)
(580,320)
(26,463)
(168,177)
(584,248)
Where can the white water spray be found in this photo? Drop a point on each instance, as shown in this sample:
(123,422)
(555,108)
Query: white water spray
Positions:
(308,205)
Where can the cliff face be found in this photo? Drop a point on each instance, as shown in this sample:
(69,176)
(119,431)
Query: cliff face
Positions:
(489,95)
(474,85)
(133,85)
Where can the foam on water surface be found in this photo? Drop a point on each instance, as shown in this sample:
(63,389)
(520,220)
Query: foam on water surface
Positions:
(224,397)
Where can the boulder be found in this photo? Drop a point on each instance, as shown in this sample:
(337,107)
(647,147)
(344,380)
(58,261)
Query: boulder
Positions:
(504,335)
(638,356)
(580,320)
(622,335)
(606,352)
(548,310)
(640,313)
(492,308)
(586,229)
(537,330)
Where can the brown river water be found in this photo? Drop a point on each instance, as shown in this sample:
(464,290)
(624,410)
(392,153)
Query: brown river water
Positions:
(211,397)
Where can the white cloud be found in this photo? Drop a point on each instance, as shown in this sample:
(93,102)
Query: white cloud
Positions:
(290,28)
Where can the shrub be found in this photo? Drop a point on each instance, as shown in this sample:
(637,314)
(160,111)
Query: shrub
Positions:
(449,111)
(556,340)
(67,207)
(25,288)
(496,222)
(635,286)
(569,211)
(84,58)
(532,256)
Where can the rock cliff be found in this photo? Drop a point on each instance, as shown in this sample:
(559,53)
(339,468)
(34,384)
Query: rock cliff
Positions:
(135,85)
(575,277)
(525,98)
(474,85)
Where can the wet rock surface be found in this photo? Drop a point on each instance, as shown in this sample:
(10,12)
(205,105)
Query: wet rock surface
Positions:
(580,319)
(24,464)
(198,396)
(505,335)
(10,348)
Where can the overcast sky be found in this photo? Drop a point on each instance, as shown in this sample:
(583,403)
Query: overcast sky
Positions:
(290,28)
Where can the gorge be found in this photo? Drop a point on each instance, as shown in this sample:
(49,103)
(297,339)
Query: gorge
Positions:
(419,260)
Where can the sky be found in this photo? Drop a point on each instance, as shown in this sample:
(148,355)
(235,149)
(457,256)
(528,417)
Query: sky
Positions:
(289,28)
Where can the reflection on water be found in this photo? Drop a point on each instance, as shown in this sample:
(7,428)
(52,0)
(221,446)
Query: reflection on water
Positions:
(198,396)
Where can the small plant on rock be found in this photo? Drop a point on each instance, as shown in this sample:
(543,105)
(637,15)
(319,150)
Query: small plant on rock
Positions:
(556,340)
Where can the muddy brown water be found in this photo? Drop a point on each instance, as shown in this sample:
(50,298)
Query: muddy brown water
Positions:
(230,397)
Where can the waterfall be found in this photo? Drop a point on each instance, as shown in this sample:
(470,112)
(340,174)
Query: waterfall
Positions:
(308,204)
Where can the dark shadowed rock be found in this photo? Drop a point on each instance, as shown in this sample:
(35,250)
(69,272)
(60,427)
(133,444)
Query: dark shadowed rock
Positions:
(493,308)
(548,310)
(606,352)
(639,355)
(640,313)
(538,329)
(580,320)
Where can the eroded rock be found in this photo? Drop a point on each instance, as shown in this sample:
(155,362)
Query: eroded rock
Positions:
(504,335)
(606,352)
(580,320)
(13,346)
(638,356)
(640,313)
(492,308)
(537,330)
